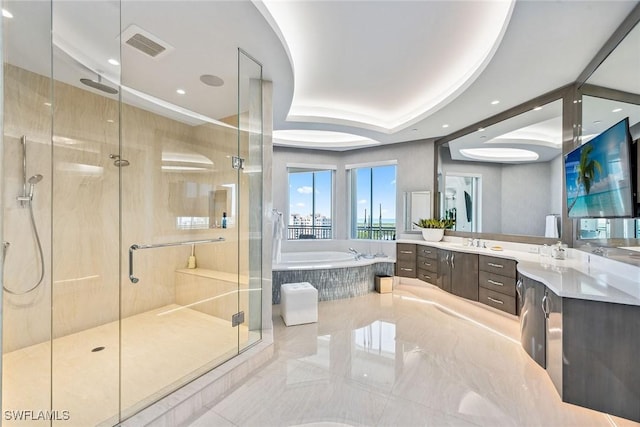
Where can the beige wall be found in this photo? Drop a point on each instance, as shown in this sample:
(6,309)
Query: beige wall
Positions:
(80,229)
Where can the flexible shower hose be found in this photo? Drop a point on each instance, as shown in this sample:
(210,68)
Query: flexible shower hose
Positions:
(4,255)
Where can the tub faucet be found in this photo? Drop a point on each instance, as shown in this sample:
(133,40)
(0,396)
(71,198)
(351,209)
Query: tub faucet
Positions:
(356,253)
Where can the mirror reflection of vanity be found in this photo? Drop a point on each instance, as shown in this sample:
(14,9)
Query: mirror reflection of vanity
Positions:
(609,94)
(505,178)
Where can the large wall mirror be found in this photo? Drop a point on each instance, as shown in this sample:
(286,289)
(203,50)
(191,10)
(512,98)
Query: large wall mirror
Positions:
(506,179)
(609,95)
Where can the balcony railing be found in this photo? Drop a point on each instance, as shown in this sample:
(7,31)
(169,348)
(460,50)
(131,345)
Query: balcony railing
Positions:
(300,232)
(376,233)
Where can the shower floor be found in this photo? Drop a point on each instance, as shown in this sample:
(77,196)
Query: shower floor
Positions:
(159,349)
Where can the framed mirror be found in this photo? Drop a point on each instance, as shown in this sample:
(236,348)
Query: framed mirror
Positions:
(506,178)
(609,94)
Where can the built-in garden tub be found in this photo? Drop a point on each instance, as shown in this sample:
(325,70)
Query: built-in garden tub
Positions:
(336,275)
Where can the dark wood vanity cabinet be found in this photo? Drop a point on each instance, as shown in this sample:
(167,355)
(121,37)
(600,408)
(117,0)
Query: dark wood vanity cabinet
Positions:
(427,264)
(497,283)
(406,256)
(458,273)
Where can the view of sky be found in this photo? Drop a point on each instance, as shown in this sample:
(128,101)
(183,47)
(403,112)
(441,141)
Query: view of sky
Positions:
(382,181)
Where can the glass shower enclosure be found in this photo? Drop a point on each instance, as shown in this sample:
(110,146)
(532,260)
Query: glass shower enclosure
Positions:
(131,216)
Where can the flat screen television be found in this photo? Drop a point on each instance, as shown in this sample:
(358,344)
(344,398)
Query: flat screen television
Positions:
(598,176)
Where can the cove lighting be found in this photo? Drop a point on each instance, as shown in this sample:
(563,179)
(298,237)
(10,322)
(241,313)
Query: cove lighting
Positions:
(445,126)
(113,62)
(500,154)
(495,102)
(323,92)
(180,91)
(320,139)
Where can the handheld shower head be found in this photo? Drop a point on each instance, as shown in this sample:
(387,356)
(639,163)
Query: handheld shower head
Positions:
(35,179)
(32,182)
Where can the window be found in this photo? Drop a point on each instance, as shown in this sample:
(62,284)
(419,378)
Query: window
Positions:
(373,202)
(310,207)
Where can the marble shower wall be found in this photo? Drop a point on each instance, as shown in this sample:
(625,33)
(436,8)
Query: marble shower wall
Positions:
(83,195)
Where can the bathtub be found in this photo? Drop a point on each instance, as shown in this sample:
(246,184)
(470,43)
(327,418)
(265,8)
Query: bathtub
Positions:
(336,275)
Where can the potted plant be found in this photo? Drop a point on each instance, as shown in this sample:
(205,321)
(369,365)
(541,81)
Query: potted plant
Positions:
(433,229)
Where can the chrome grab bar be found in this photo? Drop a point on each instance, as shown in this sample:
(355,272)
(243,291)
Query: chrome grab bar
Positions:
(163,245)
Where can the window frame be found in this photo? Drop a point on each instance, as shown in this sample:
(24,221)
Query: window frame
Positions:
(315,168)
(352,191)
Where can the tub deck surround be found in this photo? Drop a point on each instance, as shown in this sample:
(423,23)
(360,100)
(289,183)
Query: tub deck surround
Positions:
(581,276)
(335,275)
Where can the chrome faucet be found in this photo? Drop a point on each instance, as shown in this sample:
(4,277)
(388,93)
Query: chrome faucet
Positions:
(599,251)
(357,254)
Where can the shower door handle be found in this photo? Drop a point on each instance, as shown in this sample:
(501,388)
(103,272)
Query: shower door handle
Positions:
(134,247)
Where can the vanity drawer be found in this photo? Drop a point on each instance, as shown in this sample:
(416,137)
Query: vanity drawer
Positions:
(406,268)
(427,252)
(497,300)
(501,266)
(428,264)
(406,252)
(498,283)
(427,276)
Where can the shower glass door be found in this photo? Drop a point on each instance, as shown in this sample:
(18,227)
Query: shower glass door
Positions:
(131,213)
(85,300)
(26,213)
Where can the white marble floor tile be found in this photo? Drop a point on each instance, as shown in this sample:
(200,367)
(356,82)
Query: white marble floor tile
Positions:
(419,357)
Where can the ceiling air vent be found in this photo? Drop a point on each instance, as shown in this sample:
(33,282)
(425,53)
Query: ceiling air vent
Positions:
(145,42)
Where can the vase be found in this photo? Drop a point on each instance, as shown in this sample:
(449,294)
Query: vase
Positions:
(432,234)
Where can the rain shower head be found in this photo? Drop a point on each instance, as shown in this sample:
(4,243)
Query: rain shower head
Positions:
(97,84)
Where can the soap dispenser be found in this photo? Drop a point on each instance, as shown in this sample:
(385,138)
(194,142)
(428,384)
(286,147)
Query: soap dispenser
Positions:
(192,259)
(224,220)
(558,251)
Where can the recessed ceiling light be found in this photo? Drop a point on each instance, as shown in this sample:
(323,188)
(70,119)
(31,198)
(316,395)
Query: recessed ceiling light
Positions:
(47,104)
(445,126)
(495,102)
(6,13)
(180,91)
(596,122)
(480,129)
(211,80)
(616,110)
(537,109)
(414,130)
(113,62)
(109,121)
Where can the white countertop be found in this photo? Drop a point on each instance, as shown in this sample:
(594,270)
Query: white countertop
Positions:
(582,276)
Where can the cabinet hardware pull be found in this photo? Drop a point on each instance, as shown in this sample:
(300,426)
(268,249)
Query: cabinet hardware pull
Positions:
(427,264)
(493,282)
(545,306)
(426,252)
(426,277)
(406,269)
(490,264)
(452,256)
(497,301)
(406,252)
